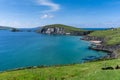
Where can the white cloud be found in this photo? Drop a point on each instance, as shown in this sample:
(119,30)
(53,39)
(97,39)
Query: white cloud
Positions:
(53,6)
(45,16)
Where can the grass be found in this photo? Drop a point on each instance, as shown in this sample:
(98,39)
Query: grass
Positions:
(112,36)
(86,71)
(106,33)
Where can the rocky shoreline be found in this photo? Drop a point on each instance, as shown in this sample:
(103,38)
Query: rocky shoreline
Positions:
(111,50)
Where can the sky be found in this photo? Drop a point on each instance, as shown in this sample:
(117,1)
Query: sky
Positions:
(78,13)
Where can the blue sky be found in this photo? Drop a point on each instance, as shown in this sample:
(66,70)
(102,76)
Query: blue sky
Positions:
(79,13)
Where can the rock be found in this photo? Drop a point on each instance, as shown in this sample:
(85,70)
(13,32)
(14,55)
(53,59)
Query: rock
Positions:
(53,31)
(15,30)
(108,68)
(117,67)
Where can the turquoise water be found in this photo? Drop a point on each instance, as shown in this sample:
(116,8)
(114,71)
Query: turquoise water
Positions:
(22,49)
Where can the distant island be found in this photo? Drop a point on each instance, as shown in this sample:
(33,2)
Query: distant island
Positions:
(9,28)
(5,28)
(12,29)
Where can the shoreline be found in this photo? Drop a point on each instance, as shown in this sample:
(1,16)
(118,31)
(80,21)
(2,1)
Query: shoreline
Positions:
(97,44)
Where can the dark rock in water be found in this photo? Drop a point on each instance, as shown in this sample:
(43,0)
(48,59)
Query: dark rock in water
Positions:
(91,58)
(29,30)
(15,30)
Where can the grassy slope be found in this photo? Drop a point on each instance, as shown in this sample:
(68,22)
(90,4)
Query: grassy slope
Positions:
(112,36)
(67,28)
(87,71)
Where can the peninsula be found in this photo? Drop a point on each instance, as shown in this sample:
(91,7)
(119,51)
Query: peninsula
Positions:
(60,29)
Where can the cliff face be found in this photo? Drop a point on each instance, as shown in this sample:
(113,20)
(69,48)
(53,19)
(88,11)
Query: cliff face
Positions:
(61,30)
(54,30)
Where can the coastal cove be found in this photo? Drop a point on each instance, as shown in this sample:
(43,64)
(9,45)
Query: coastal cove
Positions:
(23,49)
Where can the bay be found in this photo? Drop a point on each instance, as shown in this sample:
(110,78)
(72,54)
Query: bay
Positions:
(22,49)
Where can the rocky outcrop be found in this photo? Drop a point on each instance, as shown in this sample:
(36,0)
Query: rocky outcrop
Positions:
(54,30)
(109,49)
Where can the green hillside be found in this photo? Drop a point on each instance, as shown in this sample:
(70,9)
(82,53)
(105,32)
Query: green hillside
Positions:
(112,36)
(87,71)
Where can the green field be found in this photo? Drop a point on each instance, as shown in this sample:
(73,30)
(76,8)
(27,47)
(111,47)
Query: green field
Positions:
(86,71)
(112,36)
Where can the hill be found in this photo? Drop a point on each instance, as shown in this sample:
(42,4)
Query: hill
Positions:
(61,30)
(5,28)
(9,28)
(87,71)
